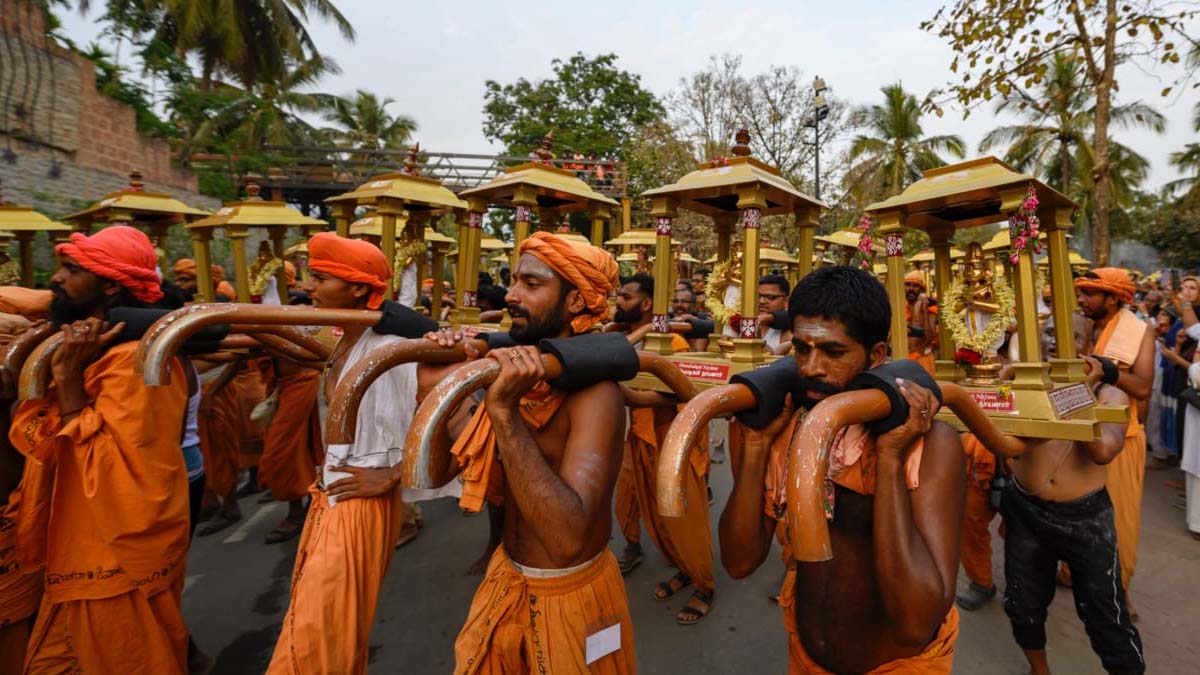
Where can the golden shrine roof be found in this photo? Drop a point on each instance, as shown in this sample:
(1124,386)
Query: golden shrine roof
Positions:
(767,254)
(254,212)
(966,194)
(638,237)
(15,218)
(417,192)
(138,204)
(926,255)
(712,188)
(373,226)
(846,238)
(556,188)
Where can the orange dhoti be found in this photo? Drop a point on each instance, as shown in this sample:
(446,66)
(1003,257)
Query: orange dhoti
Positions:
(978,513)
(342,559)
(292,446)
(625,501)
(937,659)
(685,542)
(20,594)
(1126,475)
(93,636)
(524,621)
(251,384)
(220,438)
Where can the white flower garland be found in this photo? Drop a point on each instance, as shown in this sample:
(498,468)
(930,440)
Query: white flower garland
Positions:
(983,341)
(261,277)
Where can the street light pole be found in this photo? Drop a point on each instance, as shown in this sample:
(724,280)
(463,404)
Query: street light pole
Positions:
(820,112)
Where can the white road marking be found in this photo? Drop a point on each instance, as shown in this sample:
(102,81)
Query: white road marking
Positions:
(243,530)
(191,579)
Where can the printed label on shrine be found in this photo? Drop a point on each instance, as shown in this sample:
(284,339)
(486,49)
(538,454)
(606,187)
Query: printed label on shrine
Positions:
(995,402)
(1071,399)
(700,370)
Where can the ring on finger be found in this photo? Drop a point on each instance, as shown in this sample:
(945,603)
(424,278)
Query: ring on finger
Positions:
(514,356)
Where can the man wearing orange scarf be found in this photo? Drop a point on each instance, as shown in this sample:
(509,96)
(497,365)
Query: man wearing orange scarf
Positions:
(885,602)
(356,516)
(104,500)
(922,320)
(552,599)
(1126,346)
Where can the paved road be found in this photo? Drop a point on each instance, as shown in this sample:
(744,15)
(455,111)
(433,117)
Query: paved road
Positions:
(237,590)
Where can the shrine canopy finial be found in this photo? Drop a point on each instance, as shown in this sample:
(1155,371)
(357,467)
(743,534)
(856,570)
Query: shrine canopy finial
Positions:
(968,194)
(741,143)
(411,163)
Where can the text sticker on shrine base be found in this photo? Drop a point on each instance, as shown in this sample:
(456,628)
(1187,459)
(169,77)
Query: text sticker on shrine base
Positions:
(603,642)
(1071,399)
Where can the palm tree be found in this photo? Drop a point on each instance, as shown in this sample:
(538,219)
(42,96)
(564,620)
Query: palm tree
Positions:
(893,151)
(248,40)
(364,122)
(1055,140)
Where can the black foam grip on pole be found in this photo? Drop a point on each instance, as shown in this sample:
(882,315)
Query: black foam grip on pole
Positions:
(781,320)
(403,321)
(883,378)
(591,358)
(701,329)
(770,386)
(138,320)
(497,340)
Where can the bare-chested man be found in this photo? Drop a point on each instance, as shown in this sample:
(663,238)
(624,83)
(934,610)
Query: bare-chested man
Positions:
(552,600)
(1058,508)
(922,320)
(885,600)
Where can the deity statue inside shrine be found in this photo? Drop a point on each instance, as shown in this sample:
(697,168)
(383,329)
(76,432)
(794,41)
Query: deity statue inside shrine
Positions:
(263,288)
(10,270)
(978,302)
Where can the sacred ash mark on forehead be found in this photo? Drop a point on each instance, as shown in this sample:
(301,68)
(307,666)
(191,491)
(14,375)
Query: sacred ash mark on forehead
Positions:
(531,265)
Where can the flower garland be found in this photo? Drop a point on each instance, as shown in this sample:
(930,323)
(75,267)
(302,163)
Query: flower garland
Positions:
(1023,227)
(10,273)
(262,276)
(714,302)
(984,340)
(864,257)
(406,252)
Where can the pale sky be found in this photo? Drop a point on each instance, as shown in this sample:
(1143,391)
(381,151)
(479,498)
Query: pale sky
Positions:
(433,58)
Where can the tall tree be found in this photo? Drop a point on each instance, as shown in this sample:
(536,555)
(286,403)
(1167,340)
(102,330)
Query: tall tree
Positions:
(892,150)
(364,123)
(1005,44)
(589,104)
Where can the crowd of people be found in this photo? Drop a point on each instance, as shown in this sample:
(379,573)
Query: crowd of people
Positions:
(104,479)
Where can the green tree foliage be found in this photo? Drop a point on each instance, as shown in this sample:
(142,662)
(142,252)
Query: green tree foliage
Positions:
(1172,228)
(1004,45)
(892,150)
(363,122)
(590,105)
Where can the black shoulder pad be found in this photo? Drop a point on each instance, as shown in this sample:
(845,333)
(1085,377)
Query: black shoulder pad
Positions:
(403,321)
(591,358)
(770,385)
(138,320)
(883,378)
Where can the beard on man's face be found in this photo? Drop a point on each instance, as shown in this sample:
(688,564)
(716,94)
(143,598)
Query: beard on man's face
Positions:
(628,315)
(808,384)
(64,309)
(534,328)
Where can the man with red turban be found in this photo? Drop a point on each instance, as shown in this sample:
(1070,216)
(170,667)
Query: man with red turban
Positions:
(552,458)
(922,320)
(1125,347)
(104,499)
(356,515)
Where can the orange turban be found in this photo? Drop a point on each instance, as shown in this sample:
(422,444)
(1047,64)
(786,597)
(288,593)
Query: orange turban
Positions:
(185,266)
(589,269)
(120,253)
(352,260)
(289,273)
(1112,280)
(916,278)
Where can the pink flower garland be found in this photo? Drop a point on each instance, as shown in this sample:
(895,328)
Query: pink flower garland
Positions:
(866,244)
(1023,227)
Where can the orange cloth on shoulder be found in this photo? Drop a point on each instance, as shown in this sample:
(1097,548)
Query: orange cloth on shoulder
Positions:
(352,260)
(591,270)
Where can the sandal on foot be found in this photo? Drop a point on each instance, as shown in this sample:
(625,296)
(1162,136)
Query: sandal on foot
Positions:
(219,522)
(630,559)
(407,534)
(974,597)
(691,614)
(666,589)
(289,529)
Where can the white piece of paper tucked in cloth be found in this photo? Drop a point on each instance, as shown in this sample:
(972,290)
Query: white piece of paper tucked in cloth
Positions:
(342,455)
(602,643)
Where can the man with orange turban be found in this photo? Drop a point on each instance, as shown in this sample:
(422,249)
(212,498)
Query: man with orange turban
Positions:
(356,515)
(104,502)
(552,598)
(1123,346)
(223,288)
(922,320)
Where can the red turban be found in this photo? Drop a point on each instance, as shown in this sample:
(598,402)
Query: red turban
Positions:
(120,253)
(352,260)
(589,269)
(1112,280)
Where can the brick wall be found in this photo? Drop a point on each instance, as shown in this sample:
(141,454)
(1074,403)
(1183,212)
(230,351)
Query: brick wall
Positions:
(49,103)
